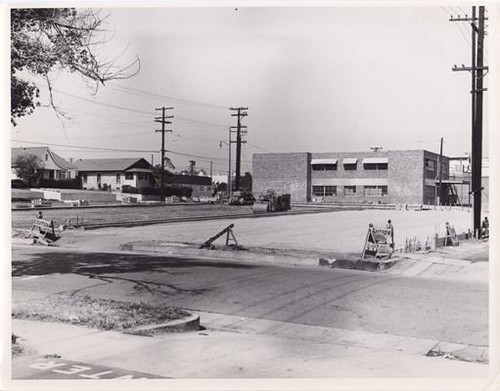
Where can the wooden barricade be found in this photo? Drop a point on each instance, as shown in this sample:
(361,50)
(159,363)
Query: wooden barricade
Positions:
(230,237)
(43,231)
(378,242)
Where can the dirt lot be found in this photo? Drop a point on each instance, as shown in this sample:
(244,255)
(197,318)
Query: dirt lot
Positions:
(24,218)
(342,231)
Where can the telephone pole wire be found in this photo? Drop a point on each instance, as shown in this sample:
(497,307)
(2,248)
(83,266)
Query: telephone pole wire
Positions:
(240,130)
(163,121)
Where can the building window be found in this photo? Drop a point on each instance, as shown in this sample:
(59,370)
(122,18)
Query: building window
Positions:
(118,177)
(46,156)
(142,176)
(85,178)
(430,165)
(375,166)
(324,167)
(98,177)
(324,191)
(129,176)
(51,174)
(349,190)
(375,191)
(350,166)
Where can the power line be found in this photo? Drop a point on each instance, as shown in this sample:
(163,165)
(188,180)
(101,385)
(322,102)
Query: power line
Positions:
(85,147)
(130,109)
(152,95)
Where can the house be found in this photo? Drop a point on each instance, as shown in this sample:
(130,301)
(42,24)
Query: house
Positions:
(408,176)
(54,166)
(115,173)
(201,185)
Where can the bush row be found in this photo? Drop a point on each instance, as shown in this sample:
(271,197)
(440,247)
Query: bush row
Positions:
(168,191)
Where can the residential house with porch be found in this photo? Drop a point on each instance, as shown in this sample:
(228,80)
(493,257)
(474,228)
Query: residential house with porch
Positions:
(115,173)
(53,166)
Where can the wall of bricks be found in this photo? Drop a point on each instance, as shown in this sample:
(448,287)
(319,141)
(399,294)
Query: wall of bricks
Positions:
(406,176)
(287,173)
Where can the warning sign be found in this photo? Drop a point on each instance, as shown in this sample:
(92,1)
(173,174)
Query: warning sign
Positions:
(378,242)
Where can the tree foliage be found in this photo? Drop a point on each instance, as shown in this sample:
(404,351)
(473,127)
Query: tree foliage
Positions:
(246,182)
(28,168)
(53,39)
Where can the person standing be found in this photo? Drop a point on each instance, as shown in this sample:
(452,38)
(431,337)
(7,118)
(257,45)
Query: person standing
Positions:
(390,227)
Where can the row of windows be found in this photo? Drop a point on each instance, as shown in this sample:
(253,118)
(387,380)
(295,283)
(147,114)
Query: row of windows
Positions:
(128,176)
(367,191)
(349,167)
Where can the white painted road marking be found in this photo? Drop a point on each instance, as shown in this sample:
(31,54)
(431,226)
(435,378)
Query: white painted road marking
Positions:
(50,368)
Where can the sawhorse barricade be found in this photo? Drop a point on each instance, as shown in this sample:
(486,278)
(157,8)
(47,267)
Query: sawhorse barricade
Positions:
(43,231)
(378,242)
(230,237)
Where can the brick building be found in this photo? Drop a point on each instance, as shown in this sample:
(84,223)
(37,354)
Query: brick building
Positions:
(410,176)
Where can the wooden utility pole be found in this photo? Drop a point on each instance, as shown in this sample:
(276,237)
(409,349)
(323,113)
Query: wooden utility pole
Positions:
(477,70)
(239,132)
(163,121)
(440,187)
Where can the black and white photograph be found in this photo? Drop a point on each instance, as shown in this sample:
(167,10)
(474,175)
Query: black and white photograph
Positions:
(247,195)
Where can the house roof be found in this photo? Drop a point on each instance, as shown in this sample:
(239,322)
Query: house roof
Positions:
(120,164)
(40,153)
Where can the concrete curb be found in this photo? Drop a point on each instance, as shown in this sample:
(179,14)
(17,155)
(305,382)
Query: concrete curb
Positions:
(371,265)
(190,323)
(264,255)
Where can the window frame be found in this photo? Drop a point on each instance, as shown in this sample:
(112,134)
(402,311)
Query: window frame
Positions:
(352,191)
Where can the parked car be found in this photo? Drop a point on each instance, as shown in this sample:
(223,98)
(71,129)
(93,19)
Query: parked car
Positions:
(18,184)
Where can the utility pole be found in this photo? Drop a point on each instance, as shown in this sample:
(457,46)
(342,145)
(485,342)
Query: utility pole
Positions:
(440,187)
(163,121)
(241,112)
(477,70)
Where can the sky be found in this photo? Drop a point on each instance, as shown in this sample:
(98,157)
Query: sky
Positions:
(314,80)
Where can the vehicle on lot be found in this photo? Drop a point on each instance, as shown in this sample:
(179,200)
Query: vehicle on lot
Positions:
(270,201)
(242,198)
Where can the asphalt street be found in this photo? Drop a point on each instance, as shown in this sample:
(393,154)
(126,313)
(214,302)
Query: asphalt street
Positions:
(445,310)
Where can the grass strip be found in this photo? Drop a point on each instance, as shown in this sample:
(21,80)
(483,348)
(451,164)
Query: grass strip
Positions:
(95,313)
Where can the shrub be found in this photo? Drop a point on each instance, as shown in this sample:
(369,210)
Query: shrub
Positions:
(60,183)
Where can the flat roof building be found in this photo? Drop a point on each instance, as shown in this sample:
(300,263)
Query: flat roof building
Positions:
(409,176)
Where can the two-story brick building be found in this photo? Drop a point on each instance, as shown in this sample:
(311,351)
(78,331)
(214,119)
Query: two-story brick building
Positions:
(410,176)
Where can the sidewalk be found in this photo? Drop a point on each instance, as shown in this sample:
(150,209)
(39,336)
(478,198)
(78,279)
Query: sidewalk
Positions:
(218,353)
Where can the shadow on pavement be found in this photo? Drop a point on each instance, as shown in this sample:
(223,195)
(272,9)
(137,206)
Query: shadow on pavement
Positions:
(108,263)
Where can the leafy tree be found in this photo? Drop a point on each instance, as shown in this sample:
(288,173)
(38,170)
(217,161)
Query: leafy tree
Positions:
(45,40)
(246,182)
(28,168)
(220,187)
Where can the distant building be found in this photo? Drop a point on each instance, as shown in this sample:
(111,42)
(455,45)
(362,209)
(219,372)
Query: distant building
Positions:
(54,166)
(201,185)
(115,173)
(219,178)
(410,176)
